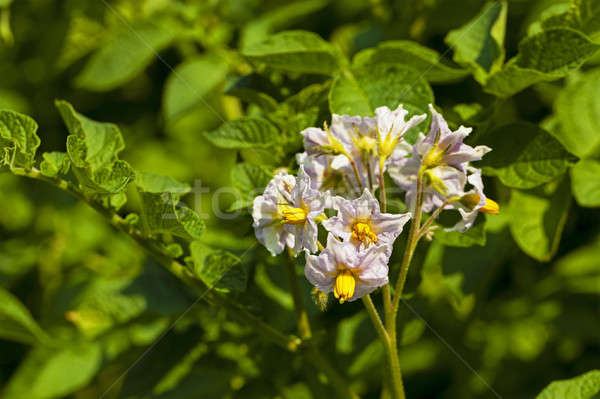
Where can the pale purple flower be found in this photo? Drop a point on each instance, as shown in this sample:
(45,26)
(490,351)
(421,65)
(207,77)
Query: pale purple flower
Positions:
(305,204)
(473,202)
(361,222)
(350,273)
(284,214)
(439,184)
(268,226)
(331,141)
(442,146)
(391,127)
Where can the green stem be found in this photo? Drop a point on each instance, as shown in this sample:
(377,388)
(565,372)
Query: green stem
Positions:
(431,219)
(411,244)
(391,352)
(382,195)
(356,174)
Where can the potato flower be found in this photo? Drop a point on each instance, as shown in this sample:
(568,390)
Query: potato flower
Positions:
(284,214)
(347,271)
(361,222)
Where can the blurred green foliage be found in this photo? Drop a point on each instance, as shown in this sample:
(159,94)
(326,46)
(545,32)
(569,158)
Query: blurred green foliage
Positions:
(214,93)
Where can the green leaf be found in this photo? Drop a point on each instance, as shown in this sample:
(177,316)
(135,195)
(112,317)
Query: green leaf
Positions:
(578,111)
(112,179)
(124,56)
(426,61)
(18,140)
(585,183)
(361,90)
(93,148)
(479,44)
(190,84)
(91,144)
(582,15)
(474,236)
(547,56)
(162,213)
(249,180)
(524,155)
(259,28)
(219,270)
(161,208)
(538,216)
(55,163)
(16,323)
(54,372)
(153,183)
(295,51)
(247,132)
(585,386)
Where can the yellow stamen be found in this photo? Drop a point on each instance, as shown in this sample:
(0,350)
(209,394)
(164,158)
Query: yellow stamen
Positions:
(361,231)
(366,144)
(345,283)
(433,157)
(291,215)
(490,207)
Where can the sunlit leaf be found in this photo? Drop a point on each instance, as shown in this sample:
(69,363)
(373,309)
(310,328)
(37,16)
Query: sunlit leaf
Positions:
(371,86)
(190,83)
(480,43)
(295,51)
(286,15)
(54,372)
(524,155)
(246,132)
(249,180)
(578,111)
(546,56)
(55,163)
(124,55)
(585,386)
(18,139)
(538,216)
(430,63)
(585,182)
(219,270)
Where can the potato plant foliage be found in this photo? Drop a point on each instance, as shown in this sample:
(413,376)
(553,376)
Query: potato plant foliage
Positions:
(136,141)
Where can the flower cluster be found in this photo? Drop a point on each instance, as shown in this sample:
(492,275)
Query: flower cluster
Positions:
(343,166)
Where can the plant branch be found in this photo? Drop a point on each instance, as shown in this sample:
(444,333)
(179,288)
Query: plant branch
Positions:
(356,174)
(431,219)
(391,352)
(382,194)
(411,244)
(179,270)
